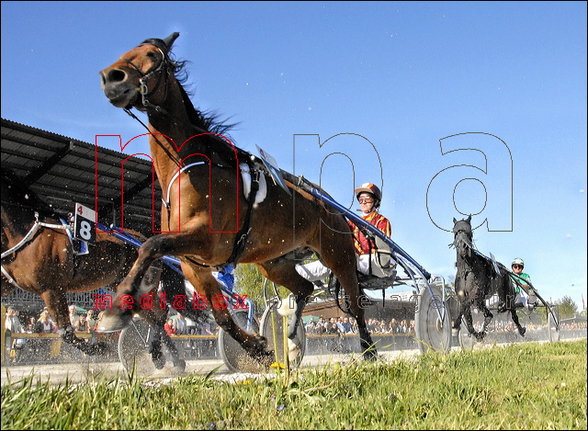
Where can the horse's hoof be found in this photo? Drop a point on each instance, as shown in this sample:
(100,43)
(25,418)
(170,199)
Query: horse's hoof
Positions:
(261,344)
(100,348)
(294,351)
(370,355)
(159,362)
(479,335)
(522,331)
(113,321)
(265,358)
(180,365)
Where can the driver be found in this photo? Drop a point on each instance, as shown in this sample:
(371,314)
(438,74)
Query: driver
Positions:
(369,197)
(526,299)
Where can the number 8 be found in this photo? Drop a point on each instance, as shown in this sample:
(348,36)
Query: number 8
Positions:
(85,230)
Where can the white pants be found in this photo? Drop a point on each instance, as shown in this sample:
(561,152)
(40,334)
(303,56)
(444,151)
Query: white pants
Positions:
(525,298)
(521,298)
(315,271)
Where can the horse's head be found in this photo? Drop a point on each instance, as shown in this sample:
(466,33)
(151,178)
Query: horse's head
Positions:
(139,79)
(462,237)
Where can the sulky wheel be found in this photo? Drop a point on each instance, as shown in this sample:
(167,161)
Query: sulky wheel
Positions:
(432,322)
(133,347)
(234,356)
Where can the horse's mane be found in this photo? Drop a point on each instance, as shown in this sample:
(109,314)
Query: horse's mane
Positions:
(206,121)
(203,121)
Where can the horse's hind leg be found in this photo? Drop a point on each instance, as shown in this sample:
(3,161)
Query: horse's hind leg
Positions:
(156,319)
(283,272)
(56,303)
(455,327)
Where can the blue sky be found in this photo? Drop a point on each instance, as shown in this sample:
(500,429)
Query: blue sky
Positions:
(394,78)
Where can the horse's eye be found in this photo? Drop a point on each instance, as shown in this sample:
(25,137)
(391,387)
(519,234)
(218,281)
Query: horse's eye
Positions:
(152,55)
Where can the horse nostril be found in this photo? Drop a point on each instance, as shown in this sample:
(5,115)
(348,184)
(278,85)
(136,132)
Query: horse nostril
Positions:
(116,75)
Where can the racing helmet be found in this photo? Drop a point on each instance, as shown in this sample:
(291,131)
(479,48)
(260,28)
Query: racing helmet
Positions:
(372,189)
(518,261)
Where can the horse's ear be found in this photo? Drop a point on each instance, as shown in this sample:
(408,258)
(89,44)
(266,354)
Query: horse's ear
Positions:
(454,220)
(169,41)
(469,219)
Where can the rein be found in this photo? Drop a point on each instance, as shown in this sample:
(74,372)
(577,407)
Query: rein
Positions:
(241,237)
(36,226)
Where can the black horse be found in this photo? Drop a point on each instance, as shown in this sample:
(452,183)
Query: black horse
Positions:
(478,278)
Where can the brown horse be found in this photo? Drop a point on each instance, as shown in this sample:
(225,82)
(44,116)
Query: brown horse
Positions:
(42,261)
(206,206)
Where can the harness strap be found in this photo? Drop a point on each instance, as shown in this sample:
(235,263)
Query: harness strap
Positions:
(9,278)
(243,234)
(36,225)
(29,236)
(167,202)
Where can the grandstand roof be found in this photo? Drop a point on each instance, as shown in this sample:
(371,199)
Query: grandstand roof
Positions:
(61,171)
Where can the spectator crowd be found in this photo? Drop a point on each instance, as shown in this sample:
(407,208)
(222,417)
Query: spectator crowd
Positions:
(348,325)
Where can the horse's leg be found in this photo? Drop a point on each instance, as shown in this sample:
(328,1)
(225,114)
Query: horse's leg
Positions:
(515,319)
(56,303)
(155,349)
(206,284)
(457,322)
(283,272)
(487,317)
(461,301)
(466,310)
(173,284)
(156,319)
(126,301)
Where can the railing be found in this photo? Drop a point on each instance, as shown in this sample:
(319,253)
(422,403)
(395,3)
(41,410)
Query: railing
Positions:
(50,348)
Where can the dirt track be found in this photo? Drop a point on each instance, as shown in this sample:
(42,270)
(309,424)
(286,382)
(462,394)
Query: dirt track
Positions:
(77,373)
(88,371)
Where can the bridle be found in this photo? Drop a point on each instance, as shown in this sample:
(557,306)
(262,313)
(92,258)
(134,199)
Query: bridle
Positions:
(163,69)
(144,89)
(462,237)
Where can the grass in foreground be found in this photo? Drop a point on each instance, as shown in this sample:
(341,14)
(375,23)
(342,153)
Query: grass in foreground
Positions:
(524,386)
